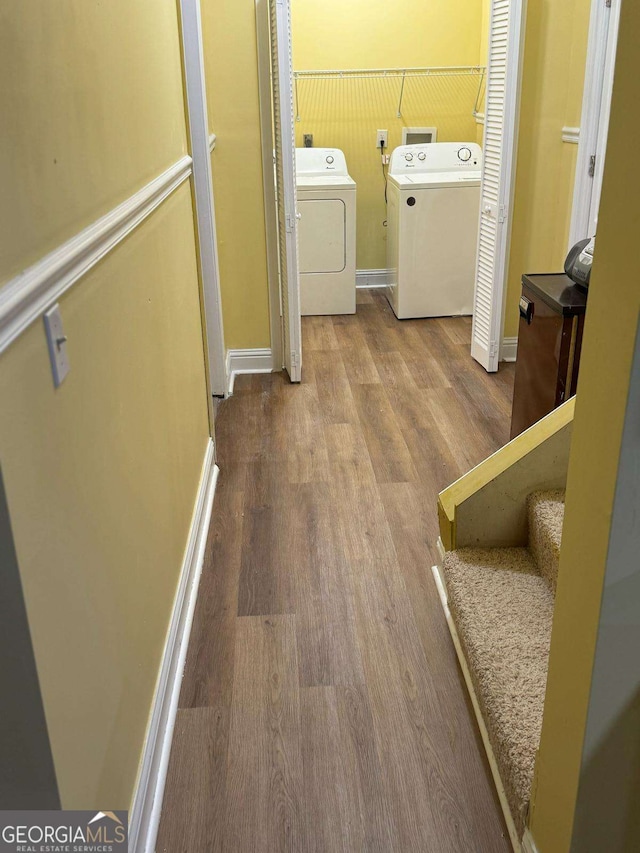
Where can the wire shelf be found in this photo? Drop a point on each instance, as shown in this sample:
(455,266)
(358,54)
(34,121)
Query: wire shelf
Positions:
(367,73)
(400,74)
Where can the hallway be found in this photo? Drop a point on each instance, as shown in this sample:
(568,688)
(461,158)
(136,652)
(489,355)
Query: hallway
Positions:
(322,708)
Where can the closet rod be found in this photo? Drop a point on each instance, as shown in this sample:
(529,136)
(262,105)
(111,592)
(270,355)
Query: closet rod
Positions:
(436,71)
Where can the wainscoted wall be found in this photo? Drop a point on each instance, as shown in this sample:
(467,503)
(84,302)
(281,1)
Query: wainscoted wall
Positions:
(101,475)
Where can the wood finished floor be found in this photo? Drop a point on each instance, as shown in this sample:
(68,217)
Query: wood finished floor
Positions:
(322,708)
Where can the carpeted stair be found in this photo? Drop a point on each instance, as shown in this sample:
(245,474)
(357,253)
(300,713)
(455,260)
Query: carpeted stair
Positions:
(501,600)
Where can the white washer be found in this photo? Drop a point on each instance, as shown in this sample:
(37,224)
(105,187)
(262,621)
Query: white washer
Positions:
(326,232)
(433,213)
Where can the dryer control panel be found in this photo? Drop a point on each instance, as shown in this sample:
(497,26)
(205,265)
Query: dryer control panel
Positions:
(436,157)
(320,161)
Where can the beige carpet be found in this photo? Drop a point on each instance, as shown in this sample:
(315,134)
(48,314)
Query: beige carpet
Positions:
(503,610)
(546,515)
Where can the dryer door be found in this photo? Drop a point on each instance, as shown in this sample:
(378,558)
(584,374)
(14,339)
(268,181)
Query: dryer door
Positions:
(321,235)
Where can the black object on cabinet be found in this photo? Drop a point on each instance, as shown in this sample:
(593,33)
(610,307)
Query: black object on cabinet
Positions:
(552,312)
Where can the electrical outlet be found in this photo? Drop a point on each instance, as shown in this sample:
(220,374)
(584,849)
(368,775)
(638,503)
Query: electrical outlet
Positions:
(308,140)
(57,341)
(382,138)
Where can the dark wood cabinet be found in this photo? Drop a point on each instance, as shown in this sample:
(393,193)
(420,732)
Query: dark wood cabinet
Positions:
(552,313)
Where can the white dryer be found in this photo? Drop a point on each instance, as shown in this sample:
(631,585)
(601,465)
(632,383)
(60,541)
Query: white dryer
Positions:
(433,213)
(326,232)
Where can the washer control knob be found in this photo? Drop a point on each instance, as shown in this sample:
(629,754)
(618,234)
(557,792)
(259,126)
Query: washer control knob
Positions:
(330,158)
(408,157)
(464,154)
(422,156)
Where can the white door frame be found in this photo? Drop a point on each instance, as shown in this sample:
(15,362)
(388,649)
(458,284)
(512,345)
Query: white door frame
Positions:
(200,144)
(285,152)
(594,122)
(508,165)
(268,182)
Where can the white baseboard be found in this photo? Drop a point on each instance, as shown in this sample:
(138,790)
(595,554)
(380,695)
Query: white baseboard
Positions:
(147,799)
(528,844)
(372,278)
(248,361)
(509,349)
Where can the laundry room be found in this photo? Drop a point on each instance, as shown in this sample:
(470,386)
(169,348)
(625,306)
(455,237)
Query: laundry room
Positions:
(411,72)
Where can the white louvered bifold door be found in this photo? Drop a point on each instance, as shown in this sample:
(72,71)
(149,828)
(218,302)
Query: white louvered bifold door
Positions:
(284,142)
(500,140)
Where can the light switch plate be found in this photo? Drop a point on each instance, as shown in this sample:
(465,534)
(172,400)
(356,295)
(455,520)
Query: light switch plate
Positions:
(57,341)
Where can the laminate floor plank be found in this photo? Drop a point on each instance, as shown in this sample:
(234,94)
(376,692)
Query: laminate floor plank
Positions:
(322,708)
(355,354)
(335,399)
(328,650)
(208,674)
(333,801)
(363,296)
(198,762)
(408,723)
(364,762)
(388,450)
(318,334)
(264,804)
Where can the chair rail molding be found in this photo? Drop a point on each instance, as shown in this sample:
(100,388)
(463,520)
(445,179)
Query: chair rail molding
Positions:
(24,298)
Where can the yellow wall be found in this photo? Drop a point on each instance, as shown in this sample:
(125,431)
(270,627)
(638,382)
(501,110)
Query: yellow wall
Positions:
(100,474)
(346,113)
(553,74)
(234,115)
(379,34)
(91,108)
(610,333)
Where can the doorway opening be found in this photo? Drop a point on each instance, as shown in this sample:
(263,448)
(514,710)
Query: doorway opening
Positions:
(362,113)
(340,104)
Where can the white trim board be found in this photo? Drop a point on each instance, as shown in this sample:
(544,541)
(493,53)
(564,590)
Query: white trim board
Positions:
(26,297)
(571,134)
(509,349)
(507,24)
(152,774)
(372,278)
(604,22)
(204,207)
(263,25)
(528,844)
(248,361)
